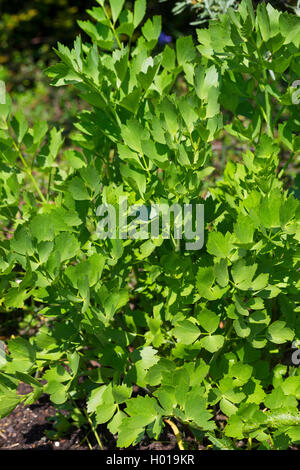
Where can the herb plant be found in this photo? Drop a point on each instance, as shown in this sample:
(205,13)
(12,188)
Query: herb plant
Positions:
(136,334)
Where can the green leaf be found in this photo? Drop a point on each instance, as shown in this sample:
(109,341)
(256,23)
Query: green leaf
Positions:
(243,274)
(39,131)
(242,372)
(139,12)
(8,401)
(78,189)
(221,272)
(135,179)
(185,50)
(219,245)
(56,142)
(207,88)
(188,113)
(42,228)
(131,431)
(275,399)
(91,268)
(114,425)
(121,393)
(186,332)
(142,411)
(75,159)
(244,229)
(116,8)
(195,410)
(212,343)
(128,155)
(221,444)
(133,134)
(58,392)
(131,101)
(269,211)
(57,374)
(91,66)
(67,245)
(170,115)
(22,355)
(15,297)
(156,153)
(263,21)
(21,243)
(168,58)
(241,328)
(20,125)
(208,320)
(98,396)
(105,412)
(152,29)
(205,279)
(279,333)
(234,427)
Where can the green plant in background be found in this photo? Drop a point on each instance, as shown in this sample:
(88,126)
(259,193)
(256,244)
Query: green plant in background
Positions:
(203,10)
(28,32)
(32,27)
(196,333)
(296,8)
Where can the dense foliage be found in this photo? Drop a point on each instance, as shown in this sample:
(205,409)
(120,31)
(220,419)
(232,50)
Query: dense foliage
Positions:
(139,334)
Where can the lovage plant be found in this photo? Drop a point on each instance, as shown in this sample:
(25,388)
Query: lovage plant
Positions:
(139,334)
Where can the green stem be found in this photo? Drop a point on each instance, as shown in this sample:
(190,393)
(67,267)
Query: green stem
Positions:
(286,165)
(112,27)
(49,184)
(28,171)
(176,433)
(268,105)
(146,166)
(93,429)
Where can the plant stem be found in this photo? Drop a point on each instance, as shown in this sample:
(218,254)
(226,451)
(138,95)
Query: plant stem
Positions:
(93,429)
(88,442)
(112,27)
(176,433)
(286,165)
(146,166)
(28,171)
(49,184)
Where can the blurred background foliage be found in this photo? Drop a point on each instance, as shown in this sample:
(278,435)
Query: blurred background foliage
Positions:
(30,29)
(202,11)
